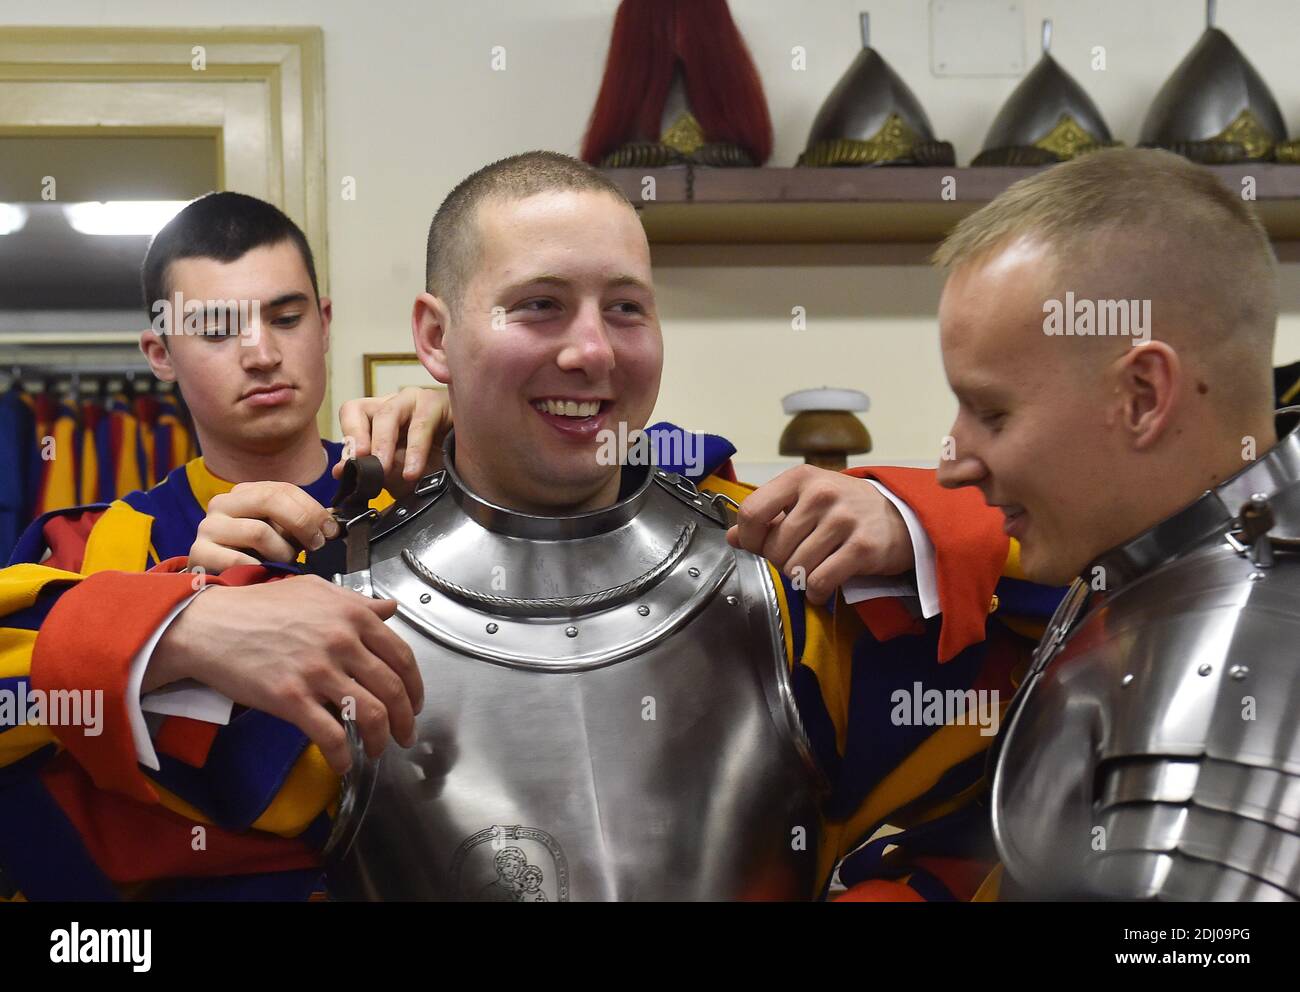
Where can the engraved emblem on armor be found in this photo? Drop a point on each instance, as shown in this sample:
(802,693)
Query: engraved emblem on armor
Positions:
(510,864)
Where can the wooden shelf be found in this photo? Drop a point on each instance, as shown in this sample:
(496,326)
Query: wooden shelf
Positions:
(900,205)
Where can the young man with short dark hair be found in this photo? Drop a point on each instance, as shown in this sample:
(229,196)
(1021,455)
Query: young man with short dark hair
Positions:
(236,319)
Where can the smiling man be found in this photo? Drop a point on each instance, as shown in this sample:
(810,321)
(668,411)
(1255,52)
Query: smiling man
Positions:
(1083,441)
(1154,746)
(552,351)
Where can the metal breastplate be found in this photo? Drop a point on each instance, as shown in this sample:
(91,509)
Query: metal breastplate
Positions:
(607,715)
(1154,750)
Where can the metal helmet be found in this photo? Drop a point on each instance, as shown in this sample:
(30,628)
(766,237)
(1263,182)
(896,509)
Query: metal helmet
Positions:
(1215,107)
(1047,119)
(681,138)
(871,117)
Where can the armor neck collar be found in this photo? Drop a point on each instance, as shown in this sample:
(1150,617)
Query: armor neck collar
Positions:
(1212,514)
(513,523)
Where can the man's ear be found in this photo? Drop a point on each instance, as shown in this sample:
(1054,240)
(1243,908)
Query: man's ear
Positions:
(429,321)
(326,315)
(160,358)
(1149,378)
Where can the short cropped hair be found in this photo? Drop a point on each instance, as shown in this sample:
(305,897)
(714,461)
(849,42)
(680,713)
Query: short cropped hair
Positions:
(1151,222)
(453,246)
(220,226)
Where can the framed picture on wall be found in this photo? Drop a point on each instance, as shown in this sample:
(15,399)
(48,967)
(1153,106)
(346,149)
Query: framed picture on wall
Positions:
(390,371)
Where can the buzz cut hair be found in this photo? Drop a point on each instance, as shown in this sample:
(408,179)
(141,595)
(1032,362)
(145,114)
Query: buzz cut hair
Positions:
(1143,222)
(454,244)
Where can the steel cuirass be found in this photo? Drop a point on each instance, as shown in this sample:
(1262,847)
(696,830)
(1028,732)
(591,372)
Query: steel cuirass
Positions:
(608,713)
(1153,751)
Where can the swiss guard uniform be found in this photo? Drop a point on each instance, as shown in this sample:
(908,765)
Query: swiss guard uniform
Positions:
(78,835)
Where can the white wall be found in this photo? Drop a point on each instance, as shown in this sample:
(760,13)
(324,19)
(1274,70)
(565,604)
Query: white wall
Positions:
(412,106)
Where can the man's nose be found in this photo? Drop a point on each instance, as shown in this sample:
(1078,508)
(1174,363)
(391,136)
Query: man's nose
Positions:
(958,465)
(588,348)
(257,347)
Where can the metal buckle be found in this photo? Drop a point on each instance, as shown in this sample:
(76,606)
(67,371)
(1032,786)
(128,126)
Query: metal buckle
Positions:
(719,506)
(347,525)
(431,483)
(1255,520)
(727,508)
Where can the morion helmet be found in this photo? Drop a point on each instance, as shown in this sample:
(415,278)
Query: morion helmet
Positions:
(872,118)
(1047,119)
(1215,108)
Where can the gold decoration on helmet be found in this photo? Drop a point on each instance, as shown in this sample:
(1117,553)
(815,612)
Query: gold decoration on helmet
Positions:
(894,141)
(1287,151)
(1068,139)
(1246,131)
(685,135)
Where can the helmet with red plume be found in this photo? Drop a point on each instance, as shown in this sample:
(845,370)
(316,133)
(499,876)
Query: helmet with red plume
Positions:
(679,86)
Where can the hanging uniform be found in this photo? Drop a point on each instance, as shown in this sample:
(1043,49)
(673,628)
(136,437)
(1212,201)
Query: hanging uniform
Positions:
(17,424)
(172,443)
(125,440)
(58,482)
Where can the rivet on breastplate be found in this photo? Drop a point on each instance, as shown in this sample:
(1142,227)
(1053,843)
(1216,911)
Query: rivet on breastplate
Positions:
(1257,576)
(570,631)
(1127,680)
(358,588)
(491,628)
(732,601)
(693,572)
(401,511)
(643,610)
(425,597)
(1239,672)
(1204,670)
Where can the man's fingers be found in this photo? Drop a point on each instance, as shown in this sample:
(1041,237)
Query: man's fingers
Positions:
(382,608)
(368,714)
(813,550)
(354,421)
(215,559)
(388,689)
(285,506)
(256,537)
(394,652)
(833,573)
(762,508)
(325,731)
(784,537)
(387,427)
(421,433)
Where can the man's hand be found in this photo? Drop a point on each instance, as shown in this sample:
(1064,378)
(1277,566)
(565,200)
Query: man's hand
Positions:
(259,519)
(824,527)
(404,430)
(299,648)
